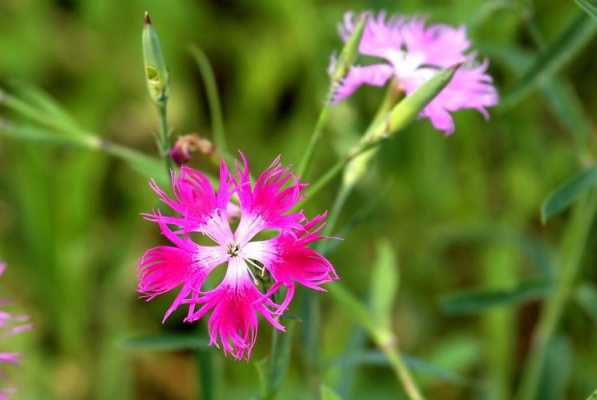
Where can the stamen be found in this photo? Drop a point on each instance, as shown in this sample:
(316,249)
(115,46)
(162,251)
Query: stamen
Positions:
(232,249)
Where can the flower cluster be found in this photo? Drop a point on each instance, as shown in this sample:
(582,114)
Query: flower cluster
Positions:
(232,217)
(10,324)
(412,53)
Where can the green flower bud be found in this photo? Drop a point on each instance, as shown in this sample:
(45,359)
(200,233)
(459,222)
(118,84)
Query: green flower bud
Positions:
(156,72)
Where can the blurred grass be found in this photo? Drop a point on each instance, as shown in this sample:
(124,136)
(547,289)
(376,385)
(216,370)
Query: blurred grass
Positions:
(69,219)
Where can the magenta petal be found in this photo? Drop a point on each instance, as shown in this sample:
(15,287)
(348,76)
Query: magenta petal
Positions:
(233,323)
(470,88)
(162,269)
(373,75)
(272,196)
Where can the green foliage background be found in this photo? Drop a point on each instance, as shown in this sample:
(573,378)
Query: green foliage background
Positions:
(459,213)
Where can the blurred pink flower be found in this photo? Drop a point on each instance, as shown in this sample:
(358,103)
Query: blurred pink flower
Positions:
(256,269)
(10,324)
(412,54)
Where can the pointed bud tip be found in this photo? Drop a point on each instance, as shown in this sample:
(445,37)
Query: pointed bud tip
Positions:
(147,18)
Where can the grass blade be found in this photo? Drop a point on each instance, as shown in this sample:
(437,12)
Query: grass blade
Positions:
(476,301)
(567,193)
(553,58)
(384,284)
(329,394)
(590,6)
(213,98)
(168,342)
(143,164)
(377,358)
(586,297)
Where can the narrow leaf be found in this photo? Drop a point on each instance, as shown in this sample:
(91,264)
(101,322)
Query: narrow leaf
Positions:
(590,6)
(352,306)
(213,98)
(384,284)
(553,58)
(48,105)
(593,396)
(586,297)
(557,370)
(169,342)
(561,96)
(145,165)
(350,50)
(378,358)
(279,360)
(567,193)
(328,394)
(409,108)
(476,301)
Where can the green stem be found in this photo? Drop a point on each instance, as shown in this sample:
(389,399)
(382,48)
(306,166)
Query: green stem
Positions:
(576,235)
(403,374)
(383,338)
(164,135)
(205,375)
(321,121)
(279,360)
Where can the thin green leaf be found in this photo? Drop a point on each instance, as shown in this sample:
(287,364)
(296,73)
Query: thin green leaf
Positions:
(586,297)
(47,104)
(145,165)
(557,370)
(409,108)
(347,57)
(352,306)
(168,342)
(277,365)
(567,107)
(593,396)
(590,6)
(329,394)
(567,193)
(561,96)
(377,358)
(385,281)
(349,52)
(553,58)
(476,301)
(213,98)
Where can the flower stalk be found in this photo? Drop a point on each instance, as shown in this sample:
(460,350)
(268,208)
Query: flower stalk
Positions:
(573,246)
(157,80)
(347,57)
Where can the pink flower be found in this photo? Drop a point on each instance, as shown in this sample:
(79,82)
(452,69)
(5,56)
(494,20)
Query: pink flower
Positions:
(412,54)
(10,324)
(232,217)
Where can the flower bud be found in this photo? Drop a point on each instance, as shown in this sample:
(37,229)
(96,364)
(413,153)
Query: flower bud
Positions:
(182,151)
(156,72)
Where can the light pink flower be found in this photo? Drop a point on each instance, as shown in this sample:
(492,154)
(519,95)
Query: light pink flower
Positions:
(256,268)
(412,53)
(10,324)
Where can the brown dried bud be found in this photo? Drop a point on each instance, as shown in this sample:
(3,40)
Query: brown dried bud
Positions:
(185,145)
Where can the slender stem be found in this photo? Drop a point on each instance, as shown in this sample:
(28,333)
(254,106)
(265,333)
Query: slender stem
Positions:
(326,178)
(164,135)
(402,373)
(205,375)
(577,232)
(278,361)
(321,121)
(384,339)
(339,202)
